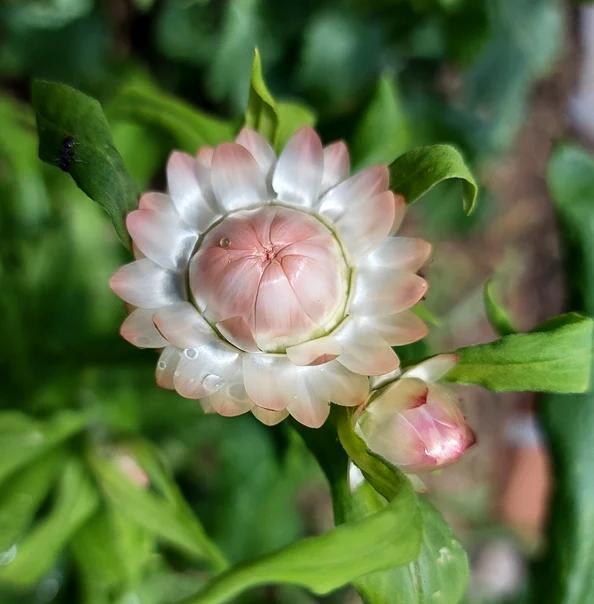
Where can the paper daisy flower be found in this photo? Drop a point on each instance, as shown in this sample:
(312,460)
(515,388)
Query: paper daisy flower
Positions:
(273,285)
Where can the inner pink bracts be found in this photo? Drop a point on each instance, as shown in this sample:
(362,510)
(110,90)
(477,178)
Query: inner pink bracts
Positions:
(271,277)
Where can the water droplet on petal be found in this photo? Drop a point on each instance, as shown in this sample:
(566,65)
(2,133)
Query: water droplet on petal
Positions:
(211,381)
(191,353)
(7,556)
(161,364)
(224,242)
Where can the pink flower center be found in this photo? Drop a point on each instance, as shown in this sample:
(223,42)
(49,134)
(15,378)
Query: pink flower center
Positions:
(271,277)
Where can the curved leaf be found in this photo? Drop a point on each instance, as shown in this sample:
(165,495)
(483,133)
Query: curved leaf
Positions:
(555,357)
(439,574)
(74,135)
(322,564)
(417,171)
(497,315)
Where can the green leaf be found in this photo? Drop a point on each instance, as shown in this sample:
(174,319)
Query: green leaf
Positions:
(380,540)
(190,128)
(555,357)
(23,439)
(75,502)
(96,166)
(440,573)
(497,315)
(111,553)
(383,132)
(564,573)
(417,171)
(327,562)
(167,515)
(22,495)
(275,120)
(261,112)
(291,117)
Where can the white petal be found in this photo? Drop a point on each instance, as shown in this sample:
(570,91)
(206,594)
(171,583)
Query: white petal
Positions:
(189,194)
(298,173)
(166,366)
(204,157)
(337,165)
(364,353)
(230,400)
(138,328)
(400,211)
(183,326)
(268,417)
(204,370)
(306,406)
(335,383)
(311,352)
(158,202)
(398,329)
(236,178)
(363,185)
(380,291)
(377,381)
(146,285)
(161,237)
(265,378)
(367,223)
(236,330)
(403,253)
(259,147)
(432,369)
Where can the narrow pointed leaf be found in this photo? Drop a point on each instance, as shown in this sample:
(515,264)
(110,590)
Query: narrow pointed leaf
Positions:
(76,500)
(167,517)
(383,132)
(23,439)
(261,113)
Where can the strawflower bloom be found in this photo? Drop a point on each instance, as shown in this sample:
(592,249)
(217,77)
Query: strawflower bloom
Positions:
(273,285)
(415,423)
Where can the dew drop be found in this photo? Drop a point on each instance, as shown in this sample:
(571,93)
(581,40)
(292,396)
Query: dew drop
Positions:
(161,364)
(191,353)
(211,381)
(224,242)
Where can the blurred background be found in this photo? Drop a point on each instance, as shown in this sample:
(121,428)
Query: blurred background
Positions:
(504,80)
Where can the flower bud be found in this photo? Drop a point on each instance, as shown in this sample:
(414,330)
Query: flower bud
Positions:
(416,424)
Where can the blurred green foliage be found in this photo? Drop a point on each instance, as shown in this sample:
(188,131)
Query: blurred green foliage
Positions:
(77,404)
